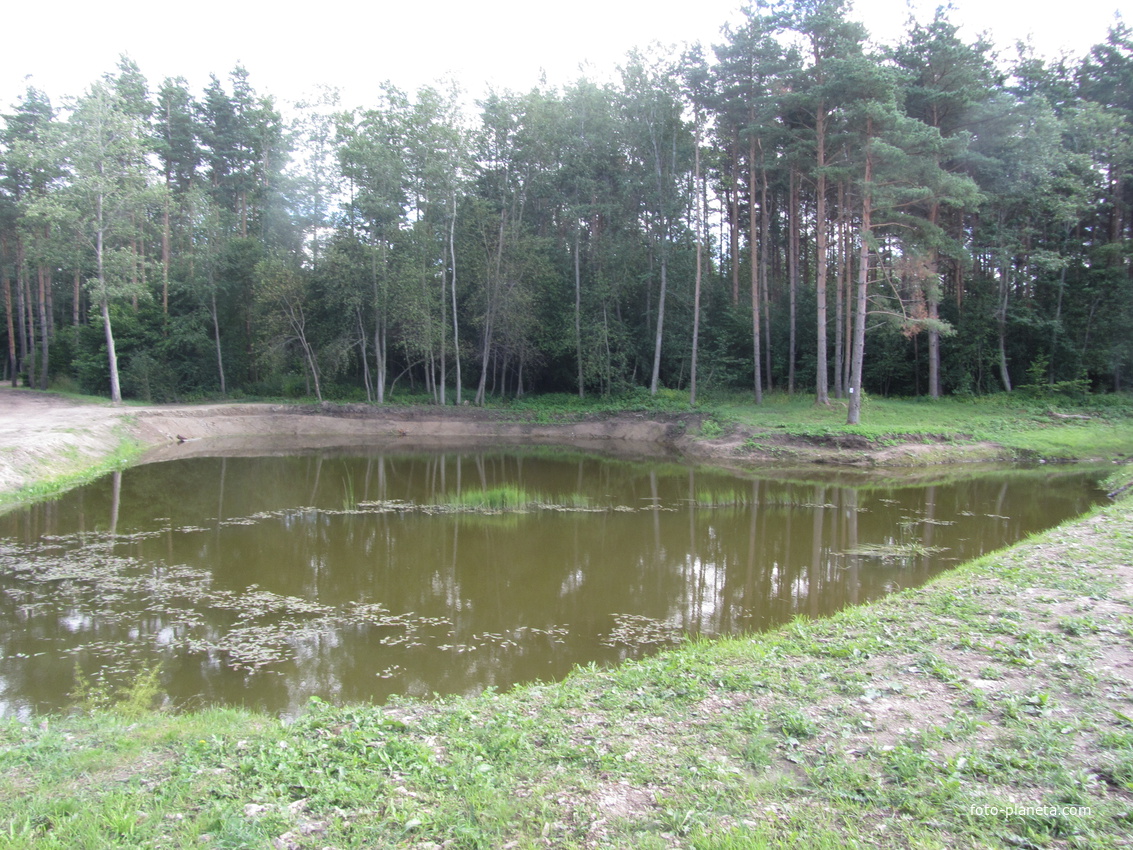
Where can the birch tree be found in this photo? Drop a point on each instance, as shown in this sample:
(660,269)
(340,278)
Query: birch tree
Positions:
(106,199)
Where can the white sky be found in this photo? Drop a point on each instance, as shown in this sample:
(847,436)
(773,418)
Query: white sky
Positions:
(61,47)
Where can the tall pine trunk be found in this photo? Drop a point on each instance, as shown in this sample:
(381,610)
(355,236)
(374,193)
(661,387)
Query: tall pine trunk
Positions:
(795,205)
(9,317)
(44,278)
(455,322)
(857,359)
(765,229)
(753,241)
(821,385)
(216,337)
(933,304)
(699,225)
(578,310)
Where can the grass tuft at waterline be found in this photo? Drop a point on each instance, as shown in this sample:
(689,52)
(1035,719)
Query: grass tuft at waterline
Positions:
(506,498)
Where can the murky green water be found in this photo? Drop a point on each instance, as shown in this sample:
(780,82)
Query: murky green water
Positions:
(263,580)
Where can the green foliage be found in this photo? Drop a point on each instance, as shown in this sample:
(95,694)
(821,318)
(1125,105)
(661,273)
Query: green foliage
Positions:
(1040,387)
(710,429)
(525,250)
(132,700)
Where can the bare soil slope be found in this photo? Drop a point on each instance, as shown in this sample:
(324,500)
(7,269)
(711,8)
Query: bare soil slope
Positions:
(45,436)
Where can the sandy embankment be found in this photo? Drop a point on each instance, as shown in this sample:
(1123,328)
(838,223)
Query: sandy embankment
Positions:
(43,436)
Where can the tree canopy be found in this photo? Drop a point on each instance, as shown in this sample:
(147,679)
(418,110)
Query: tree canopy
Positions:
(791,207)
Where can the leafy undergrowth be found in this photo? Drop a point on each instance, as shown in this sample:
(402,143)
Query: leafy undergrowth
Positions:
(991,708)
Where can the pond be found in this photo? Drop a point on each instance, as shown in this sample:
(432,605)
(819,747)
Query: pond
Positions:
(355,574)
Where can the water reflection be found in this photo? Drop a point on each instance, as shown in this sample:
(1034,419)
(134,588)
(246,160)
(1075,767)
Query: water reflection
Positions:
(261,581)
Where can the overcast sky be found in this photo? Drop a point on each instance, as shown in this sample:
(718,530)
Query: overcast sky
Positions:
(62,47)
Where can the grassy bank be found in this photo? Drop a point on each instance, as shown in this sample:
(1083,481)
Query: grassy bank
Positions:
(1026,425)
(990,708)
(1029,427)
(69,469)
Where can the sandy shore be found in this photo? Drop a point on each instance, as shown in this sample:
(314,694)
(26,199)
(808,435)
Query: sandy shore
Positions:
(45,436)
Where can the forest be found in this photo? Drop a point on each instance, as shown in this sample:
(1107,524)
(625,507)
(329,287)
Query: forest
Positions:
(792,209)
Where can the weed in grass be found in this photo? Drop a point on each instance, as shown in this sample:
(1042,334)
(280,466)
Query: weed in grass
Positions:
(793,724)
(938,668)
(1078,626)
(711,429)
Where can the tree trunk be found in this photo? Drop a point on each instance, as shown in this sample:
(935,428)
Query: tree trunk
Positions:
(44,339)
(365,357)
(312,366)
(380,352)
(104,309)
(8,314)
(793,275)
(216,337)
(753,241)
(764,284)
(489,318)
(21,285)
(821,389)
(841,295)
(734,224)
(104,303)
(455,323)
(76,298)
(1001,322)
(578,312)
(857,360)
(698,223)
(165,251)
(653,383)
(933,304)
(380,359)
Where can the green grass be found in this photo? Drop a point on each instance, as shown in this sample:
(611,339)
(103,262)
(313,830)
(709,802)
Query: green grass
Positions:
(1023,425)
(508,497)
(503,498)
(714,497)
